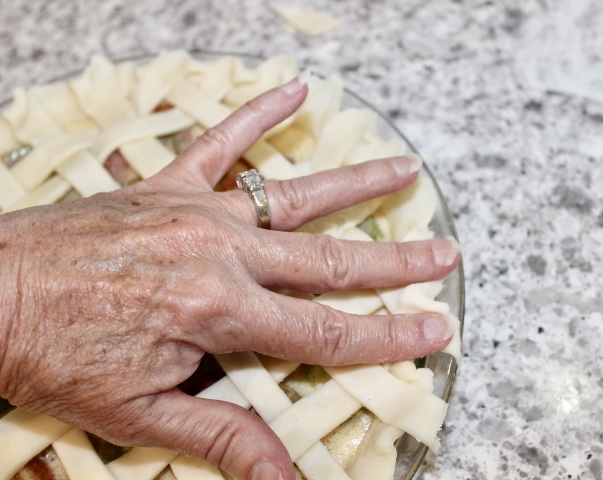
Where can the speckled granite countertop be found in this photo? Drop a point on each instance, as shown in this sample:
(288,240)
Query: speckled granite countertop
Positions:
(505,102)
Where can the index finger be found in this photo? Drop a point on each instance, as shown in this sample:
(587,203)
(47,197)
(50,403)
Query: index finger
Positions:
(221,146)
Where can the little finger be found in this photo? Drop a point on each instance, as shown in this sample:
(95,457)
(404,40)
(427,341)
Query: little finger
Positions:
(308,332)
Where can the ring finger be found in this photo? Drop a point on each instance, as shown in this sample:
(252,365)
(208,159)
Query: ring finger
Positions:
(294,202)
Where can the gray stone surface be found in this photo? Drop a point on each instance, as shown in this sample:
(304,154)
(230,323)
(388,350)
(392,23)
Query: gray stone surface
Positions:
(505,102)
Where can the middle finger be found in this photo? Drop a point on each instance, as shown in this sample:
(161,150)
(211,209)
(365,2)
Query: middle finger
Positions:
(321,263)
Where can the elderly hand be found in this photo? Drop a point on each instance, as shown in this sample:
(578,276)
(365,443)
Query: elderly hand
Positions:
(108,303)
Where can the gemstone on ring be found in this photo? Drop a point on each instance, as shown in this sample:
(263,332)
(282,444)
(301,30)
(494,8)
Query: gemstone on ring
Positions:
(251,182)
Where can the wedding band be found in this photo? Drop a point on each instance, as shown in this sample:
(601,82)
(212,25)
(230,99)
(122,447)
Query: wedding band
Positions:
(251,183)
(11,158)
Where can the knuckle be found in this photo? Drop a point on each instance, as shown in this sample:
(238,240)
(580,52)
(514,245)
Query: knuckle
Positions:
(183,228)
(255,106)
(219,139)
(336,262)
(360,174)
(223,438)
(404,255)
(212,302)
(388,333)
(188,298)
(293,199)
(336,337)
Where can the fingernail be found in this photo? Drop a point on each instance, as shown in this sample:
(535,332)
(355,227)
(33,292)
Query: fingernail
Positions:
(265,471)
(437,329)
(408,164)
(295,84)
(445,252)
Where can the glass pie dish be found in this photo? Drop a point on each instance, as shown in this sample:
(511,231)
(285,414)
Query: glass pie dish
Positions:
(410,452)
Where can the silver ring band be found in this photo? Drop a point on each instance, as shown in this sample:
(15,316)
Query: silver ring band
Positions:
(12,158)
(251,183)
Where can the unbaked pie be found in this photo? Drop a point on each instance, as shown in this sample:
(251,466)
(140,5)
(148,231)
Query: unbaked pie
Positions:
(118,123)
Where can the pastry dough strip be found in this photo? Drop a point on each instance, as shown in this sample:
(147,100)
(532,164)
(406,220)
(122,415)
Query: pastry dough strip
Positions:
(86,175)
(29,120)
(314,416)
(396,403)
(61,104)
(257,385)
(191,468)
(346,127)
(102,92)
(51,191)
(32,170)
(11,190)
(23,435)
(138,128)
(79,458)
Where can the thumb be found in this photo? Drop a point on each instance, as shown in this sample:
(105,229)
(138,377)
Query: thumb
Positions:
(222,433)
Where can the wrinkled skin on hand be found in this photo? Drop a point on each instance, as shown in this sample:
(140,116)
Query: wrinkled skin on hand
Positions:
(108,303)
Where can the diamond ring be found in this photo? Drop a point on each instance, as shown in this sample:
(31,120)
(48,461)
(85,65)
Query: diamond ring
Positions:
(251,183)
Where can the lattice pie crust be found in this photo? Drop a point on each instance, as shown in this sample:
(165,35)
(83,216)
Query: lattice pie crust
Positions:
(116,124)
